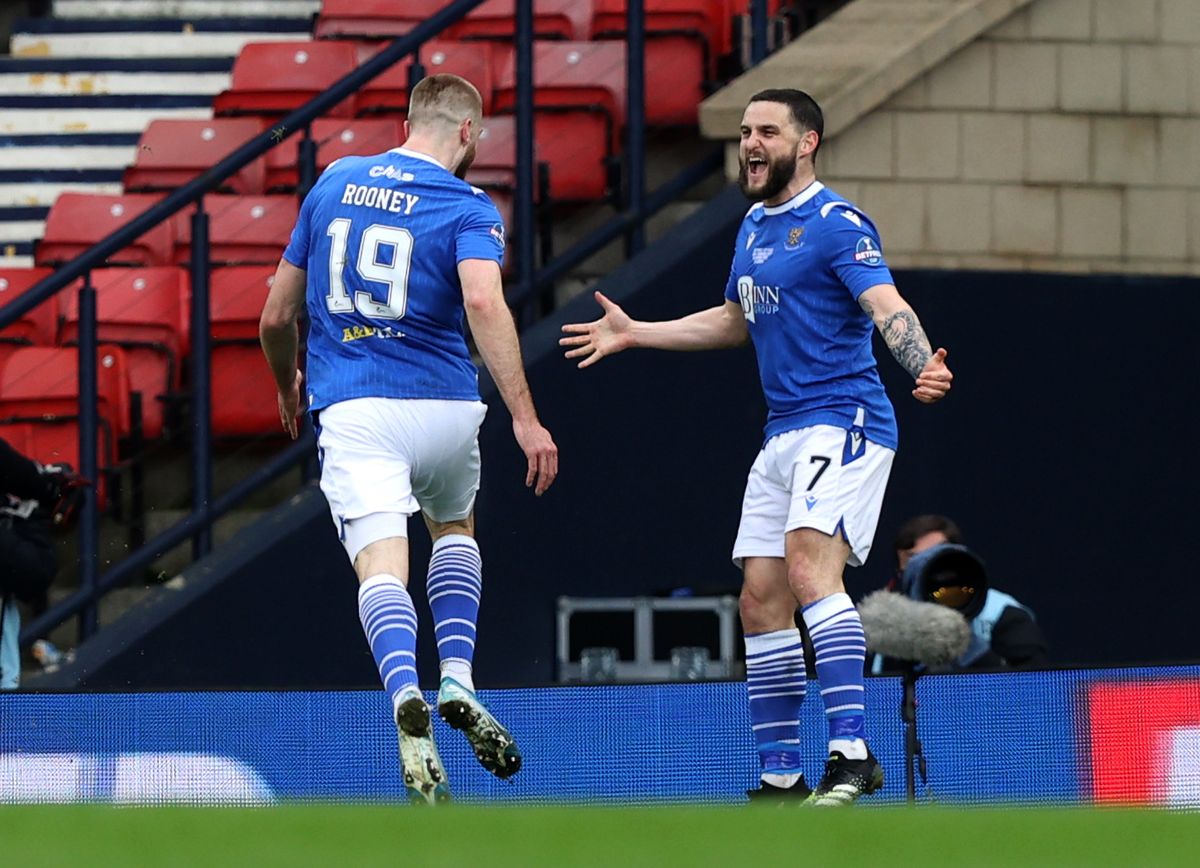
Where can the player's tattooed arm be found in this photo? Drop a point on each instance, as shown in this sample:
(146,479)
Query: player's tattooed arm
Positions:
(907,341)
(902,332)
(899,326)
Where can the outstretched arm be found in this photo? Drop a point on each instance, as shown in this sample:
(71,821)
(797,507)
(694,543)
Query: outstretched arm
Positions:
(496,337)
(902,332)
(715,328)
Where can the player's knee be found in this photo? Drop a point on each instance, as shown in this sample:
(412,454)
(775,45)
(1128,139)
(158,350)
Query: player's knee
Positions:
(461,527)
(809,584)
(765,609)
(386,556)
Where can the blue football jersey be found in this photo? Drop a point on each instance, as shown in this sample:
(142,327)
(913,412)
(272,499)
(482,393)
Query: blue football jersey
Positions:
(798,270)
(381,238)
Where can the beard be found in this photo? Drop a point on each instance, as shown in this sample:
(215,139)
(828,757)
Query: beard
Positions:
(779,174)
(460,171)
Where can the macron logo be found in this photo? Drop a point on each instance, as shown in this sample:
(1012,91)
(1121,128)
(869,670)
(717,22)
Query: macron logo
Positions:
(846,212)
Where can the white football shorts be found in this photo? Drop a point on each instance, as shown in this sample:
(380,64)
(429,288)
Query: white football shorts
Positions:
(824,477)
(383,459)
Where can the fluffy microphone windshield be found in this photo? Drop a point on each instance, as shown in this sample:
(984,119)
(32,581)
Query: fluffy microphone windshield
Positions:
(908,630)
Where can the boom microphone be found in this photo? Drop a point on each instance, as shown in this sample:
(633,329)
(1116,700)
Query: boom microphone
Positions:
(927,633)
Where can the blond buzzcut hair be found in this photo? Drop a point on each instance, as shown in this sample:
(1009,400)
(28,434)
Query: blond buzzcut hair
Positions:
(444,99)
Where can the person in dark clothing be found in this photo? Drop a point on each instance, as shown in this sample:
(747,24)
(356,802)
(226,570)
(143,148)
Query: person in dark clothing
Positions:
(34,499)
(1005,632)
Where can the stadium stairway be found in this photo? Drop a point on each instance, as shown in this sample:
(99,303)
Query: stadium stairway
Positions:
(76,92)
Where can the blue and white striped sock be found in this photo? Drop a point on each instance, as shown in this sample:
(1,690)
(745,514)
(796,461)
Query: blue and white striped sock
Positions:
(841,649)
(775,681)
(390,622)
(454,587)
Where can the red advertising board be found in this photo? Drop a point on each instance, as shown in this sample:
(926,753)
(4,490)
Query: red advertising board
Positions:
(1145,742)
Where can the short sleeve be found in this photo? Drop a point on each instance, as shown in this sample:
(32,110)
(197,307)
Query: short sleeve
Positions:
(854,251)
(480,233)
(297,249)
(731,290)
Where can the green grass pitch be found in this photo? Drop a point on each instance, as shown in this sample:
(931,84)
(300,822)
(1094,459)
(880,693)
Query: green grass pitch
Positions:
(497,837)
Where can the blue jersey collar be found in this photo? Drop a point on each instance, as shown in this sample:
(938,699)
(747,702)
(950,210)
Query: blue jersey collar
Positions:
(796,201)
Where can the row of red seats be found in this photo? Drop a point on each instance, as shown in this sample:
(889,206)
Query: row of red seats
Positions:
(39,405)
(172,152)
(579,94)
(242,229)
(145,313)
(552,19)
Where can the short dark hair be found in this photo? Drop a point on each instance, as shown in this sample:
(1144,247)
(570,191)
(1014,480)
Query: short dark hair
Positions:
(805,112)
(915,528)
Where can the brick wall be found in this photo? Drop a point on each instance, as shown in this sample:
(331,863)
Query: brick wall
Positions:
(1065,138)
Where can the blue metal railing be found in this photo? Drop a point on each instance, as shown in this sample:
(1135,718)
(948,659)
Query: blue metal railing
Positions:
(531,285)
(635,129)
(758,31)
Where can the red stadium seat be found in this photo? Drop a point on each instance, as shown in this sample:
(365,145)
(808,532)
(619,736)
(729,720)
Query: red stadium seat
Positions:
(78,220)
(145,312)
(242,230)
(243,390)
(579,100)
(493,19)
(335,138)
(36,328)
(373,19)
(495,164)
(683,39)
(172,152)
(39,388)
(741,9)
(388,92)
(271,79)
(552,19)
(495,171)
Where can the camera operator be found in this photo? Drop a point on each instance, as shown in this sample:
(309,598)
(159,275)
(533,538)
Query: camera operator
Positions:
(34,499)
(1004,631)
